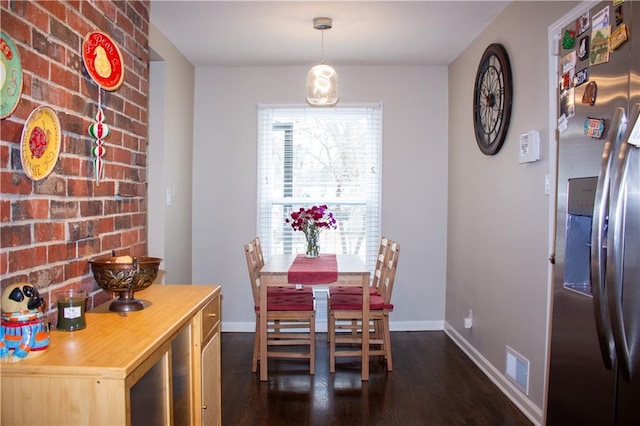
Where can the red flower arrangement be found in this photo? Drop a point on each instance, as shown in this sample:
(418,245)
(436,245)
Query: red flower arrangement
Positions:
(311,222)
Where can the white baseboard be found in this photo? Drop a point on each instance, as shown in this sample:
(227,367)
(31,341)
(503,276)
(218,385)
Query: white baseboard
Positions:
(238,327)
(416,325)
(321,326)
(528,408)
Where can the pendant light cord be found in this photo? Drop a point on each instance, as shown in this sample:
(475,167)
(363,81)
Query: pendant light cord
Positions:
(322,49)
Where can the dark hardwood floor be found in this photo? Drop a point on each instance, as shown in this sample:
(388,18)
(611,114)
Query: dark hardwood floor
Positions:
(433,383)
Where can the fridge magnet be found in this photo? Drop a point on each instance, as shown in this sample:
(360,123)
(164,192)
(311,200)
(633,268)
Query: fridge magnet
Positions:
(581,77)
(618,15)
(582,24)
(594,127)
(599,53)
(566,82)
(568,39)
(601,19)
(103,60)
(40,143)
(562,123)
(567,103)
(618,37)
(583,48)
(10,76)
(590,93)
(568,61)
(99,131)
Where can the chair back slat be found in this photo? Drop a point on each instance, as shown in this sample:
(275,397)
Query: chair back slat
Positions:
(380,263)
(258,248)
(253,265)
(389,274)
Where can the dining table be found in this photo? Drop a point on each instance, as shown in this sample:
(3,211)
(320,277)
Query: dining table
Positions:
(294,269)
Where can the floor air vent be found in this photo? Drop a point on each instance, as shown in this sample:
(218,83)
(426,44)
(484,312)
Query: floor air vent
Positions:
(517,369)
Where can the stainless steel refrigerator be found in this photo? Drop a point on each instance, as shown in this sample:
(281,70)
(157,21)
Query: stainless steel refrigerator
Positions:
(594,371)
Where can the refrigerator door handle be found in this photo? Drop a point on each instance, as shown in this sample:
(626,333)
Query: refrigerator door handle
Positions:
(615,256)
(598,239)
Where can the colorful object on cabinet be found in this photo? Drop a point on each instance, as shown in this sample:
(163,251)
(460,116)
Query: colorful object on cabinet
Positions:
(23,329)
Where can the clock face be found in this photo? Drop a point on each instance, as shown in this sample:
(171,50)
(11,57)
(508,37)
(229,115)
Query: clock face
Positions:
(492,96)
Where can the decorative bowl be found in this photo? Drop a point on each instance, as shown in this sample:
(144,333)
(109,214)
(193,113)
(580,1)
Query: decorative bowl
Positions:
(124,275)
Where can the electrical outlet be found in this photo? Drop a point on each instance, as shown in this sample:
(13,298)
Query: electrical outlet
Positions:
(468,321)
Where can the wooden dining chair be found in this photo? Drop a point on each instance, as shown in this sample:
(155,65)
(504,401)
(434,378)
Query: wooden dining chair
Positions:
(377,274)
(290,320)
(374,286)
(345,313)
(283,290)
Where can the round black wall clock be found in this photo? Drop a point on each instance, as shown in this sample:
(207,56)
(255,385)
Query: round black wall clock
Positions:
(492,97)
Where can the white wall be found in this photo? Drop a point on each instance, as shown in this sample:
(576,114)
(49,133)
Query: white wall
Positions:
(498,219)
(414,178)
(170,158)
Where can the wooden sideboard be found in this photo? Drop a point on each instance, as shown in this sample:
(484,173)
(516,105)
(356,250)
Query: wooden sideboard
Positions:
(158,366)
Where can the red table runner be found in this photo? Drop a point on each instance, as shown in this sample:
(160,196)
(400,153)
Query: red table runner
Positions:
(321,270)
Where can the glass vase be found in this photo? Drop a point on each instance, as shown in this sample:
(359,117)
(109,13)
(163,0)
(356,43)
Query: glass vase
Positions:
(313,248)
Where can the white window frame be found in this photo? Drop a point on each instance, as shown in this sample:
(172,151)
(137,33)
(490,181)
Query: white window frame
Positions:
(278,237)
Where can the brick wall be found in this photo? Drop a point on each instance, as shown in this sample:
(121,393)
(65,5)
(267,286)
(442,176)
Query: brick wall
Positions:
(50,229)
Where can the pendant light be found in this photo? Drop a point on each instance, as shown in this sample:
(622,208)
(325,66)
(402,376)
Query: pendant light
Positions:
(322,80)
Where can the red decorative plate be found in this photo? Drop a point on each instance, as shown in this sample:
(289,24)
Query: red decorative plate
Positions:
(103,60)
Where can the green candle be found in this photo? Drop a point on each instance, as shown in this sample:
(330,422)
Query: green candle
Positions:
(71,308)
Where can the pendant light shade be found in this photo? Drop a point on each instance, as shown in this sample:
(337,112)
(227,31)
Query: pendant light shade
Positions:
(322,86)
(322,80)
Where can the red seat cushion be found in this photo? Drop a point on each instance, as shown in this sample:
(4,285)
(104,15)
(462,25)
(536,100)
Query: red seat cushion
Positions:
(350,290)
(353,302)
(301,302)
(283,291)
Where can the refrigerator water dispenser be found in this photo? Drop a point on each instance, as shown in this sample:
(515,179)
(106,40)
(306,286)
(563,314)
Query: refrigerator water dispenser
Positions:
(580,198)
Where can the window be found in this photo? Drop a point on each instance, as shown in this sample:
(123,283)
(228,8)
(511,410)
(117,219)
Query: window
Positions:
(312,156)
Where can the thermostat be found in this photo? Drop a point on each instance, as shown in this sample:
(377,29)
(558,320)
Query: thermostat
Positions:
(529,146)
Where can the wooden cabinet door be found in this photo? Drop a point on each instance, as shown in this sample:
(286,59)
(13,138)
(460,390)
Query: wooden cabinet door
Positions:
(211,402)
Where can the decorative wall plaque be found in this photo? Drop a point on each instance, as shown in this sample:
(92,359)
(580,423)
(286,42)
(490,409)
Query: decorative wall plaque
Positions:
(40,143)
(103,60)
(10,76)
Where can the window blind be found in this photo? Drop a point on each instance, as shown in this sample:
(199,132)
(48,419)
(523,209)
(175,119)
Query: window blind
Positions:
(314,156)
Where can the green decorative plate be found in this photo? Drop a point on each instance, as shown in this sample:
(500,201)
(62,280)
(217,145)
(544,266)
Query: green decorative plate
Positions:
(10,76)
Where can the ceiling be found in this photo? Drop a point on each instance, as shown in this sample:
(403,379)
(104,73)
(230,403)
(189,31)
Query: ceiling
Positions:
(281,33)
